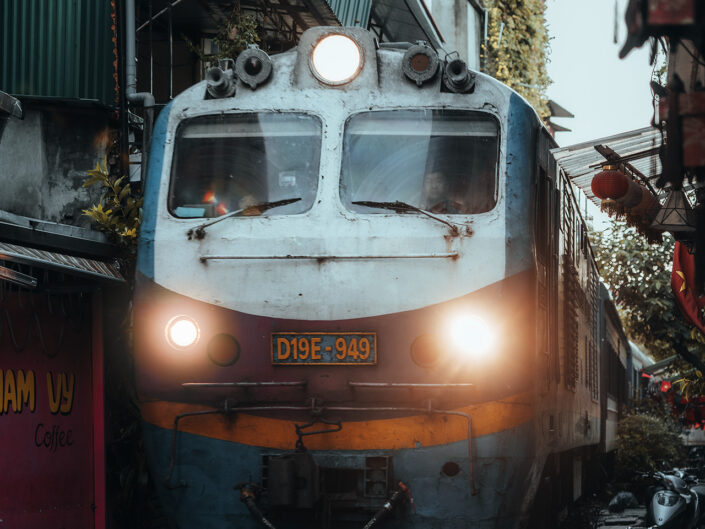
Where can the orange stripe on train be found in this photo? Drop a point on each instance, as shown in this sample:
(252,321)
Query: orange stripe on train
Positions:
(404,432)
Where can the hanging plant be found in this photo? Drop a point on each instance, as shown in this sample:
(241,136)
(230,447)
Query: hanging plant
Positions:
(516,49)
(117,213)
(233,36)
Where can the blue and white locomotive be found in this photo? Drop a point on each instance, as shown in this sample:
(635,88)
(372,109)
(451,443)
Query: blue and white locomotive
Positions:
(350,295)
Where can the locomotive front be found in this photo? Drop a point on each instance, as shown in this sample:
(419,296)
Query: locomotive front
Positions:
(334,301)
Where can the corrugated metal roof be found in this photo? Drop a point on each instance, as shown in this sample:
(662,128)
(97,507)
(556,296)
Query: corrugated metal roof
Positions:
(57,48)
(558,111)
(352,12)
(58,261)
(322,13)
(581,162)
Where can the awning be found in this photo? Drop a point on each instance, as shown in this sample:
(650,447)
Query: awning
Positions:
(658,368)
(79,266)
(639,148)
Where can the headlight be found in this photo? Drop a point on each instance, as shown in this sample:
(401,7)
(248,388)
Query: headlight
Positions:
(223,350)
(667,499)
(425,351)
(182,332)
(472,335)
(336,59)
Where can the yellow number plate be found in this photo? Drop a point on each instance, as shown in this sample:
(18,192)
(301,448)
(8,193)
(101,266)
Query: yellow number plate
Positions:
(322,348)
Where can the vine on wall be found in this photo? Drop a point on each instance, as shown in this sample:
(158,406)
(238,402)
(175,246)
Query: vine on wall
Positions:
(233,36)
(516,50)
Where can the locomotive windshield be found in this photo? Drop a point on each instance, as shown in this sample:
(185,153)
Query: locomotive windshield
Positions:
(230,162)
(443,161)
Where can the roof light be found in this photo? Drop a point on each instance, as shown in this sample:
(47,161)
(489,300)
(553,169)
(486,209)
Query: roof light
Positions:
(336,59)
(420,63)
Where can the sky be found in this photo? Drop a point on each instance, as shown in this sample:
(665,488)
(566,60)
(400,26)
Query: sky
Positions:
(607,95)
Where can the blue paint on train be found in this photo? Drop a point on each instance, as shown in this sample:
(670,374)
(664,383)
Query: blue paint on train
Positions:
(521,162)
(210,468)
(145,250)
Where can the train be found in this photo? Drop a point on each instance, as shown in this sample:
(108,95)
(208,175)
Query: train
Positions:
(364,296)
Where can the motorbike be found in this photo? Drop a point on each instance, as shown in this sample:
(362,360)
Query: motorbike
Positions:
(678,502)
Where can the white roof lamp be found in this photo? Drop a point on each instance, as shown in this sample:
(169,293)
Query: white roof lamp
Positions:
(336,59)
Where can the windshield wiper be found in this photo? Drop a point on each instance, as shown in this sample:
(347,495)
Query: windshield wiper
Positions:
(200,231)
(400,207)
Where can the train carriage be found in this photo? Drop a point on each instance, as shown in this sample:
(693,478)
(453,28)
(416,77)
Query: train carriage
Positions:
(356,295)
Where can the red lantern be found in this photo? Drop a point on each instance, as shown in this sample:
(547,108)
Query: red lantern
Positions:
(610,183)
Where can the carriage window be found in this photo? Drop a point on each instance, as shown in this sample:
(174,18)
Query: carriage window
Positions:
(231,162)
(441,161)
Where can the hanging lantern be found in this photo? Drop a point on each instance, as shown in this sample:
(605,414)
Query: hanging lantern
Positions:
(634,195)
(645,210)
(616,206)
(641,214)
(676,215)
(610,183)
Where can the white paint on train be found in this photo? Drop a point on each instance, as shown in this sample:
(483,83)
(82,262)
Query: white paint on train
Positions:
(390,262)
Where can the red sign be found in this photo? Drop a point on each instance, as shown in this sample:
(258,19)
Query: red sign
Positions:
(671,12)
(46,413)
(683,286)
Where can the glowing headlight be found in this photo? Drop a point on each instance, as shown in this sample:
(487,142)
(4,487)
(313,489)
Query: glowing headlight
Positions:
(182,331)
(336,59)
(472,335)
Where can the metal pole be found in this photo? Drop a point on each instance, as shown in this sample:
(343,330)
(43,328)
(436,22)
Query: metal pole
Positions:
(123,59)
(171,57)
(143,98)
(155,17)
(151,53)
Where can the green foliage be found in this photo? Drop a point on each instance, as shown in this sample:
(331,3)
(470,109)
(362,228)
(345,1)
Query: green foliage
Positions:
(692,383)
(232,37)
(639,276)
(519,58)
(646,443)
(118,213)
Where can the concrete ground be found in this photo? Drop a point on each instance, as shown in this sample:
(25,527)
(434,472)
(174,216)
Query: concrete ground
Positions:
(592,513)
(623,520)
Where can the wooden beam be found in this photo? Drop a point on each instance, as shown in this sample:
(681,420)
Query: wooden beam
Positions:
(612,157)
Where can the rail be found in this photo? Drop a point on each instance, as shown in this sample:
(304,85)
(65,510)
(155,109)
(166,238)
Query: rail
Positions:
(407,385)
(294,383)
(323,257)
